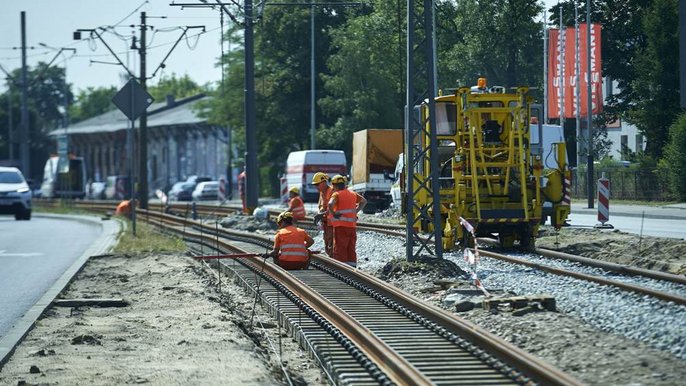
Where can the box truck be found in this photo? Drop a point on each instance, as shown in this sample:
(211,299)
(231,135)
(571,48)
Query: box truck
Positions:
(375,153)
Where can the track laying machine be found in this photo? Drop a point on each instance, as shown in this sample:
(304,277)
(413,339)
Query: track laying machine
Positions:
(490,173)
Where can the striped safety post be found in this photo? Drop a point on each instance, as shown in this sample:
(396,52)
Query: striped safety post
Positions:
(221,193)
(603,202)
(284,190)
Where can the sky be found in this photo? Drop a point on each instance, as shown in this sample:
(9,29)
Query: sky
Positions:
(53,22)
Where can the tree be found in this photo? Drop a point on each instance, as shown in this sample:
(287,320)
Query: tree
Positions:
(47,93)
(655,103)
(177,87)
(501,40)
(675,157)
(92,102)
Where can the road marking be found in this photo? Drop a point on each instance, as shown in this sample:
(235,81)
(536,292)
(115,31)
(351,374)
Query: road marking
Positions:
(30,254)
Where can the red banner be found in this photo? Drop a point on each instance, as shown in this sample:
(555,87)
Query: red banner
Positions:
(564,52)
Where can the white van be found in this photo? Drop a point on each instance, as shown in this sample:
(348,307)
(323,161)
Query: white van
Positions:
(301,166)
(47,188)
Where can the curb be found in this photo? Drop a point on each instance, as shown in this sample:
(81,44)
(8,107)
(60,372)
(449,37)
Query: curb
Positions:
(110,232)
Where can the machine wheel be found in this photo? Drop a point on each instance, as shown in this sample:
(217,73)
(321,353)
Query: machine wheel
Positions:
(527,241)
(506,239)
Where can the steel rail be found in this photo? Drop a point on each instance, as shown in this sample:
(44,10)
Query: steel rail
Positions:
(398,369)
(538,370)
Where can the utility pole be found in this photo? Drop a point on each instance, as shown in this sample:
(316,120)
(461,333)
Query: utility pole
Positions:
(589,98)
(143,124)
(24,132)
(251,169)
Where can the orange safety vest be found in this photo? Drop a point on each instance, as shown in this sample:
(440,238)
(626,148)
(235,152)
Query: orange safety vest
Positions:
(297,207)
(324,198)
(291,243)
(346,205)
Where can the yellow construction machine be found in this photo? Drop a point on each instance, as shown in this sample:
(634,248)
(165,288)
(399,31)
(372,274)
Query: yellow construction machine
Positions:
(489,175)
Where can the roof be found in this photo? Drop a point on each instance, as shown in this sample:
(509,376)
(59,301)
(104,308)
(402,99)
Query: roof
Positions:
(165,113)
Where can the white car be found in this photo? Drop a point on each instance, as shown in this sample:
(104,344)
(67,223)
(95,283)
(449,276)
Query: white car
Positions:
(15,195)
(206,191)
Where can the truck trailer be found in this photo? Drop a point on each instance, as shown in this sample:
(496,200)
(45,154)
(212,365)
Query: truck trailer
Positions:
(375,153)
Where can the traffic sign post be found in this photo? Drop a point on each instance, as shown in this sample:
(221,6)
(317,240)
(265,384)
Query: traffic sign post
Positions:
(132,100)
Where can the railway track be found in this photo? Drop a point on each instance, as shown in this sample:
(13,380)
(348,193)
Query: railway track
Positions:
(390,337)
(363,330)
(210,210)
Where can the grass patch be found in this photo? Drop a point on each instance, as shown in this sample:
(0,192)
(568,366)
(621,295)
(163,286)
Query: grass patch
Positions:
(147,239)
(62,207)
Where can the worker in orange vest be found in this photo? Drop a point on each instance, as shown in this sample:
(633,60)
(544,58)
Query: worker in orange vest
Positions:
(296,204)
(343,207)
(123,209)
(321,180)
(241,190)
(290,244)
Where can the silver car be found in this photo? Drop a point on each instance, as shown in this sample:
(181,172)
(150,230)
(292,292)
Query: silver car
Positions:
(15,195)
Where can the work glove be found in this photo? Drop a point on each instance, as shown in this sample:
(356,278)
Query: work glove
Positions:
(337,215)
(265,256)
(318,218)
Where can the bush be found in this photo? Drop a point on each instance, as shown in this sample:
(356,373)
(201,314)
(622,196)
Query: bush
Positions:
(675,157)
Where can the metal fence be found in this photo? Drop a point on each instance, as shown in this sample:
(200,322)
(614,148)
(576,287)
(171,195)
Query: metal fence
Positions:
(625,183)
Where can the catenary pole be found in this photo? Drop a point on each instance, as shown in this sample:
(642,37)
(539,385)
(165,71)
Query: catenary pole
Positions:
(589,98)
(313,137)
(545,68)
(251,169)
(143,123)
(577,86)
(24,132)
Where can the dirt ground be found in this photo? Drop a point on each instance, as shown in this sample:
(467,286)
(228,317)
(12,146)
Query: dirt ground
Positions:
(661,254)
(177,330)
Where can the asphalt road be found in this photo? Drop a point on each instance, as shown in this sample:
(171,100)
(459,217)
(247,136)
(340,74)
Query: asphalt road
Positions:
(658,227)
(33,255)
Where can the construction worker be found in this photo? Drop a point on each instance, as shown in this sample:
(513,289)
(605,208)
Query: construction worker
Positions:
(322,181)
(123,209)
(296,204)
(343,207)
(241,190)
(290,244)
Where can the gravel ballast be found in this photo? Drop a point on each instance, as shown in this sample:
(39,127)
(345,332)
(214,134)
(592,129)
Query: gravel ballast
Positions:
(600,334)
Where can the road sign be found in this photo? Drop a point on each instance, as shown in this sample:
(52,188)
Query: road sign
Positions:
(62,152)
(132,99)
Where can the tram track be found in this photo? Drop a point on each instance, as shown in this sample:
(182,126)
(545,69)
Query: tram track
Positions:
(407,326)
(391,321)
(397,230)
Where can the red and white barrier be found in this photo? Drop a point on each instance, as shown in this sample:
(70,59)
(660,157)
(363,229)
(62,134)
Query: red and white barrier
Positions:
(284,190)
(603,202)
(221,193)
(567,200)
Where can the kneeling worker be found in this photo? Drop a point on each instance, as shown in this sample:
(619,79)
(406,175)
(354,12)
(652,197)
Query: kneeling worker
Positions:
(343,207)
(290,244)
(296,204)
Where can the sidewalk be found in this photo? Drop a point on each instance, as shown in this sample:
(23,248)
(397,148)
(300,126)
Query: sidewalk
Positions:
(667,212)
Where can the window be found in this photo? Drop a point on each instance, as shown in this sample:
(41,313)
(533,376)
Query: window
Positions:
(624,146)
(446,114)
(639,142)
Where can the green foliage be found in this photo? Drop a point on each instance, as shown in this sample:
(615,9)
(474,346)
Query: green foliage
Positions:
(47,93)
(365,89)
(177,87)
(92,102)
(655,105)
(674,161)
(499,40)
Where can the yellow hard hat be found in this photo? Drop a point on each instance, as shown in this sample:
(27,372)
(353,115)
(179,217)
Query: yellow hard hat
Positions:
(283,216)
(294,190)
(339,179)
(319,177)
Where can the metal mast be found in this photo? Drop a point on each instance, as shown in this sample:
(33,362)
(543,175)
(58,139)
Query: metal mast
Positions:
(421,89)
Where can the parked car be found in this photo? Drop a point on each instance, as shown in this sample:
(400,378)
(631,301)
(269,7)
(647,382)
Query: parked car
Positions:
(181,191)
(15,194)
(96,190)
(206,191)
(196,180)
